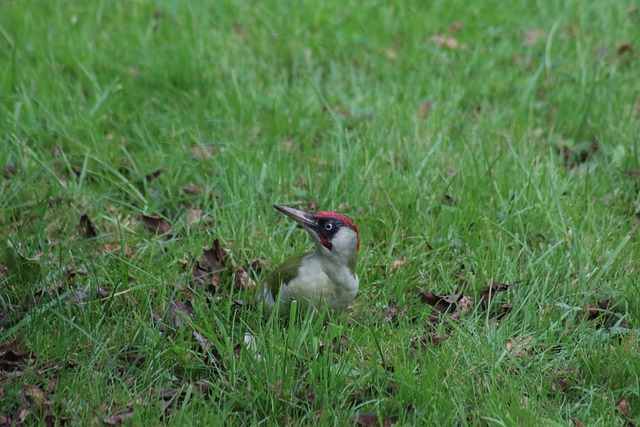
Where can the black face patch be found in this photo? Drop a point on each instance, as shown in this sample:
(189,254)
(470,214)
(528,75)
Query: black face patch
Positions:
(327,229)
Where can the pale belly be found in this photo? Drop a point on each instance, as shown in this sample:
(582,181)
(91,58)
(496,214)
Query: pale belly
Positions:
(335,289)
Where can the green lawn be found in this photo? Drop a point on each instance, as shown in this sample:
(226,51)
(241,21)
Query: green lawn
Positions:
(473,143)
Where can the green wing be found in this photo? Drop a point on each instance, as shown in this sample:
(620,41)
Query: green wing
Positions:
(284,273)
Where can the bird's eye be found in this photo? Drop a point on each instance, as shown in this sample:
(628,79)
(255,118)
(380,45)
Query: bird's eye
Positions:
(328,226)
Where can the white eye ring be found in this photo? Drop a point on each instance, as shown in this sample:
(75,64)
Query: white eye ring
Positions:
(328,226)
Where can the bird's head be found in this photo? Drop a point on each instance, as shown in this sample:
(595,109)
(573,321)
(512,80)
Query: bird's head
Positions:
(335,235)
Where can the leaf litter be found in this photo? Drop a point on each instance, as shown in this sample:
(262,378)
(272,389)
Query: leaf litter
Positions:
(453,307)
(157,224)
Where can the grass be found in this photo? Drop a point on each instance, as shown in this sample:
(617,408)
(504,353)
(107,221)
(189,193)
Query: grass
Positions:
(503,149)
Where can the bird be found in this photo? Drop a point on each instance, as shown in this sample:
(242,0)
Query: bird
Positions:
(322,278)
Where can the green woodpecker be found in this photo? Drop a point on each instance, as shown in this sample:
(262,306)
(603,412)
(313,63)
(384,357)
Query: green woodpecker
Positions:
(324,277)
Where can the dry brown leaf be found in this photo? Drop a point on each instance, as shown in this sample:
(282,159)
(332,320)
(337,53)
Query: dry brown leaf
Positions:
(574,155)
(488,292)
(520,346)
(258,265)
(456,26)
(624,48)
(119,417)
(338,345)
(157,224)
(576,422)
(441,304)
(431,338)
(179,312)
(132,358)
(447,42)
(204,151)
(622,405)
(86,227)
(605,314)
(532,36)
(372,420)
(11,357)
(308,395)
(34,396)
(390,54)
(194,189)
(465,304)
(10,171)
(215,258)
(424,109)
(242,279)
(449,199)
(153,174)
(397,263)
(390,312)
(194,215)
(206,346)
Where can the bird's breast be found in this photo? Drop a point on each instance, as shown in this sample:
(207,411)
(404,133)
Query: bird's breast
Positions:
(319,284)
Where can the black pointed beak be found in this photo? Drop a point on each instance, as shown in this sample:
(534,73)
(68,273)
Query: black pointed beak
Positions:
(305,219)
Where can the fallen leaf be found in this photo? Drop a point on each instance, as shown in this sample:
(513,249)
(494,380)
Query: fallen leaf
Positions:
(34,396)
(179,311)
(157,224)
(22,415)
(605,314)
(207,347)
(576,422)
(215,259)
(397,263)
(440,304)
(242,279)
(10,171)
(448,42)
(390,312)
(132,358)
(424,109)
(86,227)
(424,341)
(238,29)
(193,189)
(119,417)
(204,151)
(520,346)
(532,36)
(623,48)
(390,54)
(308,395)
(372,419)
(623,407)
(576,154)
(258,265)
(194,215)
(276,388)
(456,26)
(337,346)
(11,357)
(154,174)
(465,304)
(488,292)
